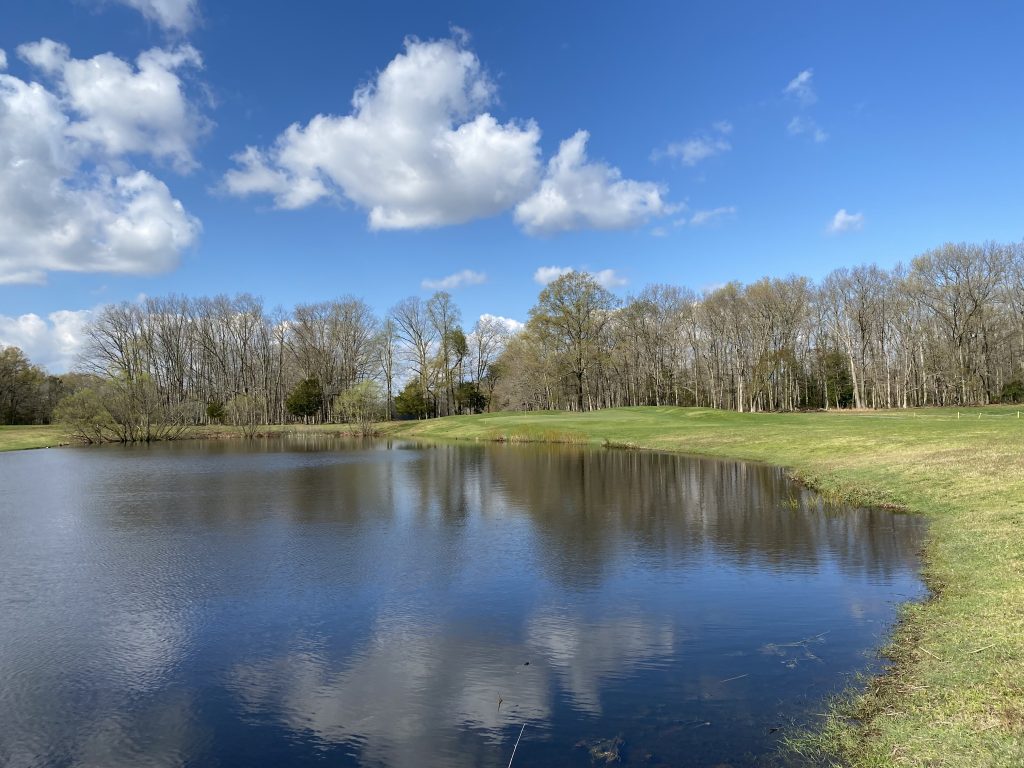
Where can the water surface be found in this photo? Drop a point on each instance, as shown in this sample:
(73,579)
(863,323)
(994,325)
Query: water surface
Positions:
(315,602)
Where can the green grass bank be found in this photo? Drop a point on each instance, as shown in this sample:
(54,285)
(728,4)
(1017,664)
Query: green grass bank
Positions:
(955,695)
(22,438)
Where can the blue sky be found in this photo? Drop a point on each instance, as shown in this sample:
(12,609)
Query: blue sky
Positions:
(723,141)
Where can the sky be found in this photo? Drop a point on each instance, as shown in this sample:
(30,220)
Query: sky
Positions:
(303,151)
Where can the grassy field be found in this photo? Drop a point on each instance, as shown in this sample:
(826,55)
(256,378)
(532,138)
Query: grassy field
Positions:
(955,696)
(21,438)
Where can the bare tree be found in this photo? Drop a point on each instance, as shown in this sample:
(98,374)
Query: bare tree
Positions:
(418,336)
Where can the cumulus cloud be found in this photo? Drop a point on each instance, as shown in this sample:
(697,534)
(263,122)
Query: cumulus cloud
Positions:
(54,342)
(62,208)
(45,54)
(545,275)
(845,222)
(457,280)
(608,278)
(123,109)
(577,193)
(172,15)
(3,59)
(418,149)
(692,151)
(801,88)
(806,126)
(513,326)
(705,217)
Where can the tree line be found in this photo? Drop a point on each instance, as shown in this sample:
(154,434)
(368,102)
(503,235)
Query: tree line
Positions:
(28,394)
(945,329)
(154,367)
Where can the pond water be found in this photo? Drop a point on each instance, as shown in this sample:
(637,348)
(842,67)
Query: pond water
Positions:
(316,602)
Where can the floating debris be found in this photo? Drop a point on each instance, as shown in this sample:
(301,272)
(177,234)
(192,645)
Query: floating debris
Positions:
(793,653)
(738,677)
(604,751)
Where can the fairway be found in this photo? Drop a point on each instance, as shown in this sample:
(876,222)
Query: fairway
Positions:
(956,694)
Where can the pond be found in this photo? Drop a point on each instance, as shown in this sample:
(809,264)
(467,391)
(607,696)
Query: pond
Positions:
(309,601)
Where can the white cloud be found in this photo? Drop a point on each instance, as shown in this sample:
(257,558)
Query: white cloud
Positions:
(45,54)
(545,275)
(3,59)
(121,109)
(692,151)
(418,149)
(256,177)
(513,326)
(175,15)
(62,206)
(457,280)
(576,193)
(845,222)
(53,343)
(609,279)
(801,88)
(705,217)
(804,125)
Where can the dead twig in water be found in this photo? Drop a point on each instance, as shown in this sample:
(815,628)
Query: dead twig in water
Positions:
(516,746)
(805,642)
(730,679)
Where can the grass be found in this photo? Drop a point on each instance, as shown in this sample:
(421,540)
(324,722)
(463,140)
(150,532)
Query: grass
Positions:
(955,693)
(51,435)
(21,438)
